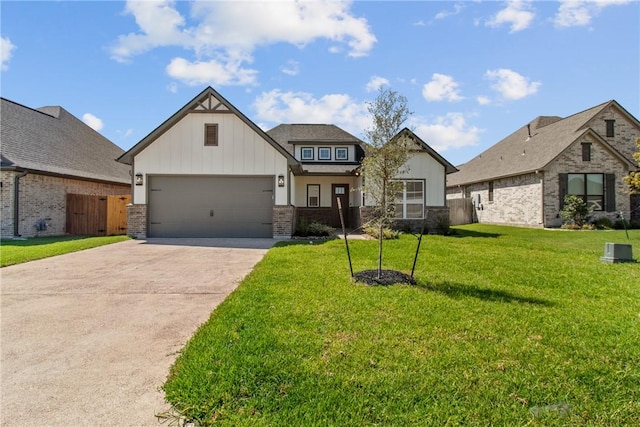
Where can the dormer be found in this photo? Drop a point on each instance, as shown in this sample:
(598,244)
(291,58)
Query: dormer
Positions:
(319,144)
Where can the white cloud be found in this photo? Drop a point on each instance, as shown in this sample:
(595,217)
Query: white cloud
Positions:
(457,8)
(441,87)
(483,100)
(511,85)
(6,52)
(576,13)
(224,31)
(92,121)
(299,107)
(518,13)
(172,87)
(375,83)
(213,72)
(447,132)
(291,68)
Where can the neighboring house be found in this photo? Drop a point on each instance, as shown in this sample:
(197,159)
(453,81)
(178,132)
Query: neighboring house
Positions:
(46,155)
(523,179)
(209,171)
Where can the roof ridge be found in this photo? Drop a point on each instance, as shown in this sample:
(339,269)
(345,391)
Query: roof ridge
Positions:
(28,108)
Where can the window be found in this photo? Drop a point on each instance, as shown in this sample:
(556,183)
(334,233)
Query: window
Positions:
(324,153)
(610,128)
(589,186)
(313,195)
(342,153)
(410,200)
(210,134)
(491,191)
(586,151)
(306,153)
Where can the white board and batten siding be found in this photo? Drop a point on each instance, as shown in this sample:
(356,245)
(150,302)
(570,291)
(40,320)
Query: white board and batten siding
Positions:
(423,166)
(181,151)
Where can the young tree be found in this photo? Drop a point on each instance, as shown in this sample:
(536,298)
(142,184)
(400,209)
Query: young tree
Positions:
(385,157)
(633,180)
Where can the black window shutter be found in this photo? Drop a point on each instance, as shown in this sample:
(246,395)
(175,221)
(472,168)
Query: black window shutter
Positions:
(610,192)
(563,179)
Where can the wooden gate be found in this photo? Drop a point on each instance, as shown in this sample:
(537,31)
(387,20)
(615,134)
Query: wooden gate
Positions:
(97,215)
(460,211)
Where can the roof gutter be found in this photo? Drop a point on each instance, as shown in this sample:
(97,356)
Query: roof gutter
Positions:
(16,203)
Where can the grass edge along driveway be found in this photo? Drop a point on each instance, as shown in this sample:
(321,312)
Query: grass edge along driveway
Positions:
(19,251)
(506,326)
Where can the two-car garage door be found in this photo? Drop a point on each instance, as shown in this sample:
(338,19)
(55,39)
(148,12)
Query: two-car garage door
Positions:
(210,206)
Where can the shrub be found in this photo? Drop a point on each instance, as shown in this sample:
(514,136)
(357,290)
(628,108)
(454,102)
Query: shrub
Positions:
(387,233)
(318,229)
(442,225)
(575,211)
(603,223)
(306,229)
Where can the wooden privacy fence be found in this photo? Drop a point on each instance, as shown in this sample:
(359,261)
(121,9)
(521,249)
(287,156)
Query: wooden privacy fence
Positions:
(460,211)
(97,215)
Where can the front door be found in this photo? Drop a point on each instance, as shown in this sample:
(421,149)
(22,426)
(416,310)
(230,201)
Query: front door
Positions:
(339,191)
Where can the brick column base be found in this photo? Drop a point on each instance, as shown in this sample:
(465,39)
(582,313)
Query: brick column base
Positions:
(283,217)
(137,221)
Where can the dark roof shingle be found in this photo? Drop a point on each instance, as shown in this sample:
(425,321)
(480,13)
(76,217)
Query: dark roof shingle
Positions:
(52,140)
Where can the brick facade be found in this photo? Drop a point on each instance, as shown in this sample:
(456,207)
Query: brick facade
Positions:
(571,162)
(43,201)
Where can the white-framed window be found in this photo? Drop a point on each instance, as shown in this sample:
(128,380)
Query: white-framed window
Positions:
(313,195)
(410,199)
(306,153)
(342,153)
(324,153)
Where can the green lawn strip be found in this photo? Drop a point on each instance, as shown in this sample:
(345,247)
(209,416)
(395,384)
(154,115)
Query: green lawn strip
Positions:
(504,323)
(19,251)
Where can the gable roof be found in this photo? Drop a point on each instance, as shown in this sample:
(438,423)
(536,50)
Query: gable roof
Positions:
(407,133)
(532,147)
(206,101)
(51,140)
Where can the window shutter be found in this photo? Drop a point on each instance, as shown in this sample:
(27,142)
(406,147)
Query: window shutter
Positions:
(610,192)
(563,179)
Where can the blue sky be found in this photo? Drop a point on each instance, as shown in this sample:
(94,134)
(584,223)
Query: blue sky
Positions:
(473,71)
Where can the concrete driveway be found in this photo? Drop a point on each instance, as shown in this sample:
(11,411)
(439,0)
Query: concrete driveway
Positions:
(88,338)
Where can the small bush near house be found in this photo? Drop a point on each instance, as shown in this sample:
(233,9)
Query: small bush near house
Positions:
(575,212)
(442,225)
(387,233)
(603,223)
(313,229)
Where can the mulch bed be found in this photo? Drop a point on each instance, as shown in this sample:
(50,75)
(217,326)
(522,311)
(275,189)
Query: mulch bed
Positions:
(388,277)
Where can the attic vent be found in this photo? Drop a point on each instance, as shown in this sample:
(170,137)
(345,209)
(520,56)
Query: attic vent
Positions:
(211,134)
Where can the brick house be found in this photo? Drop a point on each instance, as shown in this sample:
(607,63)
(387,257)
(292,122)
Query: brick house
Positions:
(47,154)
(209,171)
(523,179)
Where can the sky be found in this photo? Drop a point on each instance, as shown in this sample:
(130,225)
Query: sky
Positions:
(473,72)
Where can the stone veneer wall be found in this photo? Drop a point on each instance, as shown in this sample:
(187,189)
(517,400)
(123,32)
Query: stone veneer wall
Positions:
(283,221)
(137,221)
(44,198)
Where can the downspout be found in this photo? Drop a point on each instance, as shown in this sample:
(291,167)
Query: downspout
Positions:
(16,203)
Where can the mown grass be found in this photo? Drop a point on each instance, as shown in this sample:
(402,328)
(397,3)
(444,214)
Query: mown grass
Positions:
(19,251)
(506,326)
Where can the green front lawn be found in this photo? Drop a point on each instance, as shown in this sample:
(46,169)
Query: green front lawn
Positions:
(19,251)
(506,326)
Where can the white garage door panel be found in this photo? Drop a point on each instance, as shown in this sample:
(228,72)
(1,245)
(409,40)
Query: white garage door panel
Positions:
(206,206)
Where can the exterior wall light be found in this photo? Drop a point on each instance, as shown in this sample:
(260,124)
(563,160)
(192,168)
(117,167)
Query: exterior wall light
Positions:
(280,180)
(139,179)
